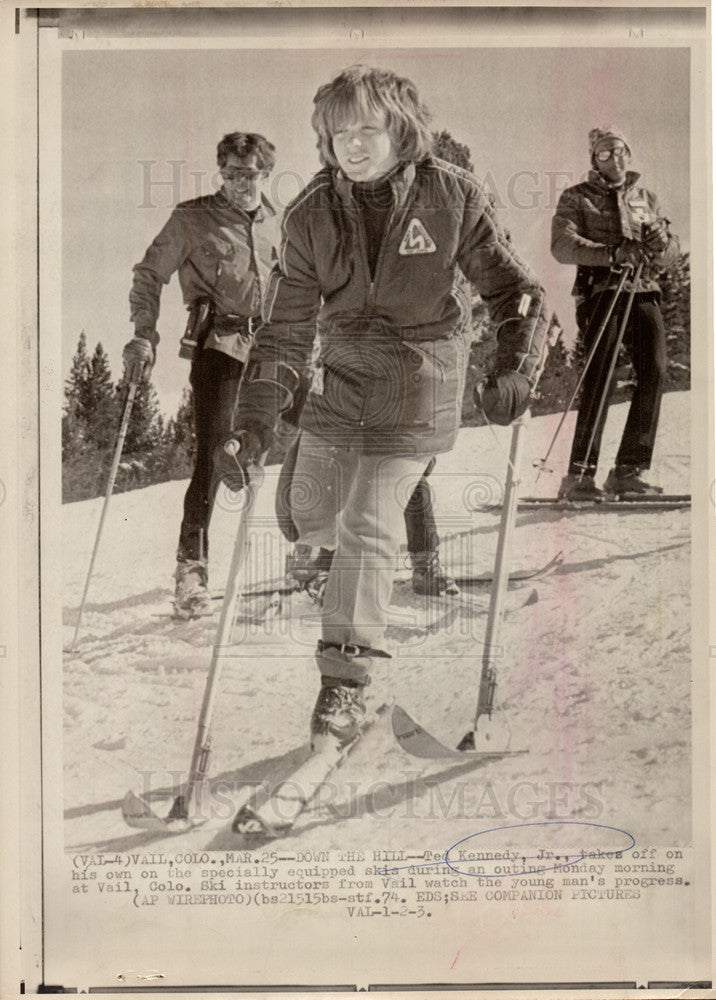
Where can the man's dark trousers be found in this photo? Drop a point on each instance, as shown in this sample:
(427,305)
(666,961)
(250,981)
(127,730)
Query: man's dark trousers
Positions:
(646,340)
(215,379)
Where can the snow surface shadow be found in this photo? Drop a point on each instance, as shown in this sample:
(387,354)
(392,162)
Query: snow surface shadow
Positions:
(591,564)
(161,594)
(386,795)
(269,771)
(356,807)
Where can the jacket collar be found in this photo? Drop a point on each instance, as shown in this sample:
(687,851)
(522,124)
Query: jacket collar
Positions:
(594,177)
(265,208)
(401,180)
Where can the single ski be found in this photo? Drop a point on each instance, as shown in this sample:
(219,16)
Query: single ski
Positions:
(659,501)
(258,612)
(517,576)
(418,742)
(273,812)
(262,611)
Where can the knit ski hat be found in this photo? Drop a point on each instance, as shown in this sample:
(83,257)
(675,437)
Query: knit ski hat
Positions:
(596,135)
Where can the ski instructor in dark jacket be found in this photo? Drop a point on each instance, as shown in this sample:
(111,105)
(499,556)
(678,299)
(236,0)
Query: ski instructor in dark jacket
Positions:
(222,246)
(612,220)
(371,249)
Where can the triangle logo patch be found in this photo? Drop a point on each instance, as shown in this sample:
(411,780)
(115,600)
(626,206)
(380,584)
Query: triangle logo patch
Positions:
(416,240)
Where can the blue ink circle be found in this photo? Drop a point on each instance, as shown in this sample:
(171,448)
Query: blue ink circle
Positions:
(569,859)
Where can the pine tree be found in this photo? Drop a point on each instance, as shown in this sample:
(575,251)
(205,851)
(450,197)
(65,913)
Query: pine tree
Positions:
(558,378)
(183,430)
(88,423)
(145,427)
(154,449)
(676,309)
(98,402)
(72,417)
(447,148)
(180,440)
(79,373)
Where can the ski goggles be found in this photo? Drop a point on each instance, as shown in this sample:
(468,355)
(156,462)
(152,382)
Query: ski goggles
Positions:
(606,154)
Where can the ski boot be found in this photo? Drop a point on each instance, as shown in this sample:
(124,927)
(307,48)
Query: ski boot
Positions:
(308,570)
(429,577)
(625,480)
(340,713)
(579,486)
(191,595)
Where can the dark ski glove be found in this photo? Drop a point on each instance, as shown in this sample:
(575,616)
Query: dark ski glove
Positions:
(504,396)
(138,356)
(654,237)
(234,457)
(631,252)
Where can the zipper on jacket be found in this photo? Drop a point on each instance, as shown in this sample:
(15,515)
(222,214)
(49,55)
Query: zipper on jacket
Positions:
(363,251)
(381,251)
(257,269)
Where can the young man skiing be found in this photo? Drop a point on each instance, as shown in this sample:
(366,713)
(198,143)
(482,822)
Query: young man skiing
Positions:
(223,246)
(371,248)
(607,222)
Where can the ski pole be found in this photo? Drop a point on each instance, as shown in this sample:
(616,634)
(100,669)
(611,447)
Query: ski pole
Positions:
(612,364)
(131,392)
(592,351)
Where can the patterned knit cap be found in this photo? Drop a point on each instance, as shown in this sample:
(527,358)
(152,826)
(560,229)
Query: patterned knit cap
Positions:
(596,135)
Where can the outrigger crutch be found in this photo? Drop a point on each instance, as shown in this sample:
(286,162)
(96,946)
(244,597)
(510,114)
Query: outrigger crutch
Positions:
(186,810)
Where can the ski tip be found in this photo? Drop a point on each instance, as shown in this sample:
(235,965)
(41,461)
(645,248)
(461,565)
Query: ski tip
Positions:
(419,743)
(249,824)
(414,739)
(136,813)
(532,598)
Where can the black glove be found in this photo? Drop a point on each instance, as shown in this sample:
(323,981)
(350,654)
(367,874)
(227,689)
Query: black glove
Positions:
(631,252)
(233,457)
(654,237)
(504,396)
(138,356)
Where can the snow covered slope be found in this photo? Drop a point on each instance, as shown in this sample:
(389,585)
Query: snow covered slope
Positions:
(594,676)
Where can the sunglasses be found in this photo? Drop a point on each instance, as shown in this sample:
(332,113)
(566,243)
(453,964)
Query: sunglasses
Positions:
(242,174)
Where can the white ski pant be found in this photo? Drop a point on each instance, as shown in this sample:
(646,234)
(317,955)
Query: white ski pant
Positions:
(346,499)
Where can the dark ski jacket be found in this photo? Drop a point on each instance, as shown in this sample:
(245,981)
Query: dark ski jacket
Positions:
(392,350)
(221,254)
(593,218)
